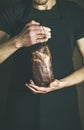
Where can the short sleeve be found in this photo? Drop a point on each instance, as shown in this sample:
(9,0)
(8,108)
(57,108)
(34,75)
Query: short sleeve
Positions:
(9,16)
(79,23)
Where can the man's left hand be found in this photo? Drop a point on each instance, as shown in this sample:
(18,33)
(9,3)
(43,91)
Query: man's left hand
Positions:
(55,85)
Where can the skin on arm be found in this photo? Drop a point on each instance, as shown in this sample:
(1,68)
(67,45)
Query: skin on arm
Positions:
(6,46)
(31,34)
(78,76)
(72,79)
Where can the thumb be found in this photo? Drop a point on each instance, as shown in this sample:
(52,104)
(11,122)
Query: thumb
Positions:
(33,22)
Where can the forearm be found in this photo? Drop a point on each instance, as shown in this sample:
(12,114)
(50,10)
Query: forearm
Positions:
(8,48)
(73,79)
(31,34)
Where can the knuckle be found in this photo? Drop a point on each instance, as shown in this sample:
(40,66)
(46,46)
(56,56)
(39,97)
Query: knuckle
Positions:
(41,31)
(40,26)
(32,27)
(29,28)
(32,21)
(30,33)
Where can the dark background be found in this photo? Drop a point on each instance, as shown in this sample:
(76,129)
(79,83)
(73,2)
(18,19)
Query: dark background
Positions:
(5,71)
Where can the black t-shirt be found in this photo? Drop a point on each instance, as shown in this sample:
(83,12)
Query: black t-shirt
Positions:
(10,17)
(66,21)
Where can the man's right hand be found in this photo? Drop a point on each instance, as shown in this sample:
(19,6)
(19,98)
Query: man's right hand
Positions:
(31,34)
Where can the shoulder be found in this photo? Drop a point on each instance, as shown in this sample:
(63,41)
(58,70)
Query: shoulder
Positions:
(14,10)
(10,16)
(71,10)
(75,15)
(72,7)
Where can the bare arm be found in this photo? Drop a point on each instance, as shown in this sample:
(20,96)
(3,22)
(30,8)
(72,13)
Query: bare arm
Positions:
(7,47)
(31,34)
(73,79)
(78,76)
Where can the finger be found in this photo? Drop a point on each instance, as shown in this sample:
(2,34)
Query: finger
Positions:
(43,36)
(38,31)
(34,90)
(40,89)
(37,89)
(32,82)
(41,40)
(46,35)
(32,86)
(33,22)
(46,28)
(37,27)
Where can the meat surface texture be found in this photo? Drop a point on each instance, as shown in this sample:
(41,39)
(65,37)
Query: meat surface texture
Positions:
(42,66)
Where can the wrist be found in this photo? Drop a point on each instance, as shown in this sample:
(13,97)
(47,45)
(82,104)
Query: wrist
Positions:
(63,83)
(17,43)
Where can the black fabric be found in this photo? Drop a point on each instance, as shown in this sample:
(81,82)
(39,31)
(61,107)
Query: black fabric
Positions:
(75,14)
(55,110)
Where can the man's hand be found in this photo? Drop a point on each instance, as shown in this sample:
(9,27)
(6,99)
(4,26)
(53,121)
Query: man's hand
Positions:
(32,33)
(55,85)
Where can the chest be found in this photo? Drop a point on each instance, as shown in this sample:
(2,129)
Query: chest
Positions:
(61,43)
